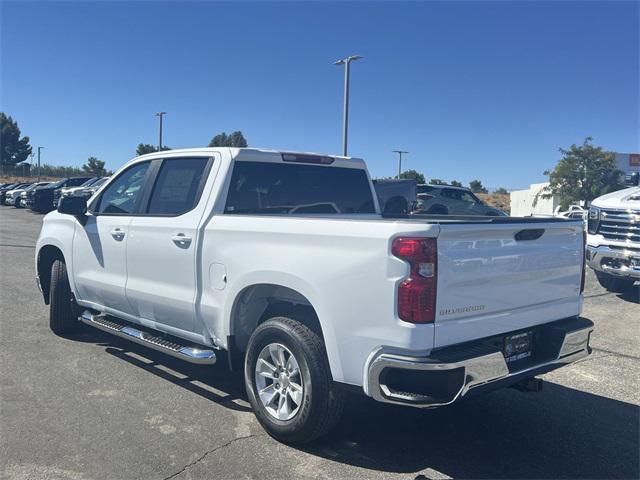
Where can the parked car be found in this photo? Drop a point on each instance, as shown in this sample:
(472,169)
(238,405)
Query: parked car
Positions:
(395,196)
(11,196)
(64,191)
(21,202)
(9,188)
(613,241)
(574,211)
(284,263)
(91,189)
(450,200)
(41,199)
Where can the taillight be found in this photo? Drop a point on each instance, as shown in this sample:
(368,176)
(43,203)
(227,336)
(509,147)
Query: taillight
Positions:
(417,292)
(584,260)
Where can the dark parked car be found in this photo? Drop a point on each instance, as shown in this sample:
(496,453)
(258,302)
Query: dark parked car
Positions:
(87,192)
(70,189)
(41,199)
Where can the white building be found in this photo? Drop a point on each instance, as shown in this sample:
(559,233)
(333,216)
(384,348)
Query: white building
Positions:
(529,202)
(525,203)
(628,162)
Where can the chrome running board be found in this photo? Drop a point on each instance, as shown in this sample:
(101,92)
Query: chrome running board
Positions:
(189,354)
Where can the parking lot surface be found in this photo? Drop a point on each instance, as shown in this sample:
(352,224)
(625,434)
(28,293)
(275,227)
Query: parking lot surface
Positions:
(92,406)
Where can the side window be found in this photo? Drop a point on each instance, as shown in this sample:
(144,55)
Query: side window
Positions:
(120,197)
(178,186)
(274,188)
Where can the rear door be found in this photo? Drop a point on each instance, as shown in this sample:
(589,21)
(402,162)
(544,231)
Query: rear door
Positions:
(496,278)
(163,243)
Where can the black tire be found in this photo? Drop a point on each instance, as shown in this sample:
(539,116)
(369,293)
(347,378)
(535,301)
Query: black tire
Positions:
(613,283)
(322,403)
(438,210)
(62,311)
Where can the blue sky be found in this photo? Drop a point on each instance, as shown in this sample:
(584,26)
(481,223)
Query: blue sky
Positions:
(485,90)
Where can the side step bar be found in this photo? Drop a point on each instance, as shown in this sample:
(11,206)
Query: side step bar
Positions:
(189,354)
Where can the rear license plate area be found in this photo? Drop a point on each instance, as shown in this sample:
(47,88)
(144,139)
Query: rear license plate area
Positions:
(517,346)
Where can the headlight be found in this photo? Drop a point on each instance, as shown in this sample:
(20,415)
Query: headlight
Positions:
(594,220)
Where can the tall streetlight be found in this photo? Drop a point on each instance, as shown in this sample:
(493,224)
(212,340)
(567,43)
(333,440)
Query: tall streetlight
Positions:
(160,114)
(345,127)
(400,152)
(39,148)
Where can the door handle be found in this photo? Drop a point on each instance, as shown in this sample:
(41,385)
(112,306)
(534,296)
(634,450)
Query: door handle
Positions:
(181,240)
(117,233)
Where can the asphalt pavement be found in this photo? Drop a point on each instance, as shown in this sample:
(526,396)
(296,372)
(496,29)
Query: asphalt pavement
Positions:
(92,406)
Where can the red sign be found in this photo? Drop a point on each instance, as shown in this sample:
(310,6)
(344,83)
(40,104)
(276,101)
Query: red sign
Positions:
(634,160)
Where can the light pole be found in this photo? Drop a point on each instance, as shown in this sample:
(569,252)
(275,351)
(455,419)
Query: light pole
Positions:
(345,120)
(400,152)
(160,114)
(39,148)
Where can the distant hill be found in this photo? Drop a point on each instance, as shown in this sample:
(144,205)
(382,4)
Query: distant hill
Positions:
(503,202)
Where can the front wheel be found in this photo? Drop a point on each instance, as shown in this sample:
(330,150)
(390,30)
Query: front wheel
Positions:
(62,311)
(613,283)
(288,381)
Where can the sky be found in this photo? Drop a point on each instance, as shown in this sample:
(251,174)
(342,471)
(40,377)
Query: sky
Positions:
(486,90)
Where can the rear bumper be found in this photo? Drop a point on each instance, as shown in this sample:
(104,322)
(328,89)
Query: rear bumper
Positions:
(614,261)
(451,373)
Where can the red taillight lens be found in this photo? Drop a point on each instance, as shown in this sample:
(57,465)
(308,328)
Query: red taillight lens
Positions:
(417,293)
(584,261)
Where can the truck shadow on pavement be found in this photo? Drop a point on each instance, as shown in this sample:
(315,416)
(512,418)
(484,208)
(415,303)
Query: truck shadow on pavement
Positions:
(215,383)
(557,433)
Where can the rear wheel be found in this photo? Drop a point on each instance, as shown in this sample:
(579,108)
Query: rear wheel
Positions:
(438,210)
(289,383)
(613,283)
(62,311)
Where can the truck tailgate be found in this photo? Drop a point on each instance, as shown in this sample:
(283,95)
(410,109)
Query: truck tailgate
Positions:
(504,277)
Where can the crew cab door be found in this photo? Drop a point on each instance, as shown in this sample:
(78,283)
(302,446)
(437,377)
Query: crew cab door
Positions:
(100,242)
(163,243)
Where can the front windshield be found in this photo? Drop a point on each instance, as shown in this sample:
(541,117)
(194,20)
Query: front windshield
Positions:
(101,181)
(90,182)
(57,184)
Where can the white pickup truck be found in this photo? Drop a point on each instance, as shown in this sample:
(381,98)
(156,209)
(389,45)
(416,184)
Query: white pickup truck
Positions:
(613,243)
(283,263)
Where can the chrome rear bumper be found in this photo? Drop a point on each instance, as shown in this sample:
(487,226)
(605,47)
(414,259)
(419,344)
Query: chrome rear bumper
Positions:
(469,371)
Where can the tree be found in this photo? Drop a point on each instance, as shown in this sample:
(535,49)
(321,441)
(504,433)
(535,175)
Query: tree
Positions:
(583,173)
(455,183)
(236,139)
(14,149)
(413,175)
(95,167)
(501,191)
(437,181)
(476,187)
(144,148)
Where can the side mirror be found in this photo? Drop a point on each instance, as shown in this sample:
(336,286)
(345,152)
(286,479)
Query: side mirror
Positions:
(72,205)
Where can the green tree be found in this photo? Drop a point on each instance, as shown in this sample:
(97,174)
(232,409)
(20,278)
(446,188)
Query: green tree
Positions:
(14,149)
(583,173)
(94,167)
(144,148)
(456,183)
(236,139)
(437,181)
(476,187)
(413,175)
(501,191)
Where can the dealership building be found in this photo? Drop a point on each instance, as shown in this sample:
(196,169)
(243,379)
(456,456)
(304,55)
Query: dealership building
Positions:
(531,201)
